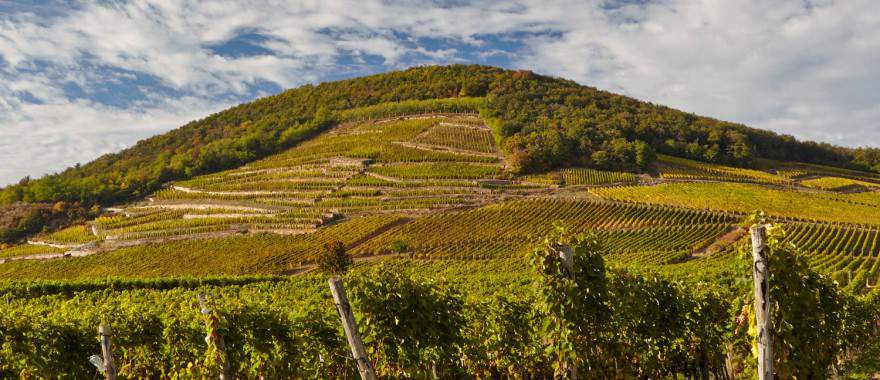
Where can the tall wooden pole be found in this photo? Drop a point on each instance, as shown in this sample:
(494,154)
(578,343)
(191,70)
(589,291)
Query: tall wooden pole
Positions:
(365,367)
(212,324)
(107,353)
(566,254)
(762,303)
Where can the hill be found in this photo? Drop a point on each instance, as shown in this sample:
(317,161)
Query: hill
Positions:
(541,123)
(452,190)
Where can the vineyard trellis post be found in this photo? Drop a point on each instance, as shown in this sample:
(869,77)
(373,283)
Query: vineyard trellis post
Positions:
(212,323)
(761,276)
(349,325)
(566,255)
(107,353)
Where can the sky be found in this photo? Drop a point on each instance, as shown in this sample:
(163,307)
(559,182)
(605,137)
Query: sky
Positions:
(79,79)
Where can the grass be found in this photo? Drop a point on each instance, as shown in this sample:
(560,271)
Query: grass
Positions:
(746,198)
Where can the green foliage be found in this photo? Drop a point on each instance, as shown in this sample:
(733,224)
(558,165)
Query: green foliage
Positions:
(665,328)
(410,328)
(161,334)
(334,260)
(399,246)
(502,340)
(572,297)
(813,322)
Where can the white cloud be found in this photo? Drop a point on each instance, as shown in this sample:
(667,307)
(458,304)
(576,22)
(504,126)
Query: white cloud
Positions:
(43,138)
(804,68)
(806,71)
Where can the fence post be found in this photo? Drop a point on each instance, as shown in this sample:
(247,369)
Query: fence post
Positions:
(566,254)
(365,367)
(213,324)
(107,353)
(762,303)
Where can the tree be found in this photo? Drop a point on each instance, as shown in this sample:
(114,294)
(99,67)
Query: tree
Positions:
(399,246)
(334,260)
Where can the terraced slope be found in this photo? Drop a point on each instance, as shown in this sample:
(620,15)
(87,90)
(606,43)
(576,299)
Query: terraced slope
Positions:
(433,186)
(404,165)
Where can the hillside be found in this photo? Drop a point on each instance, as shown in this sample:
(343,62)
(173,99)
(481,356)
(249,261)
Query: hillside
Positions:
(433,183)
(447,187)
(541,123)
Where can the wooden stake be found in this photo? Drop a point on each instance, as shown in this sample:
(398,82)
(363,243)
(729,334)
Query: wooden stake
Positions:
(761,276)
(566,254)
(365,367)
(107,353)
(212,324)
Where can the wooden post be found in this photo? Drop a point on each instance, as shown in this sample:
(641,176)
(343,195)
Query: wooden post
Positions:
(762,303)
(365,367)
(566,254)
(107,353)
(212,324)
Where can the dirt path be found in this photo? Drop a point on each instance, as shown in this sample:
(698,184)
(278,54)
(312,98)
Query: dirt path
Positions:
(731,235)
(482,127)
(221,193)
(384,178)
(303,269)
(445,149)
(377,232)
(49,256)
(205,206)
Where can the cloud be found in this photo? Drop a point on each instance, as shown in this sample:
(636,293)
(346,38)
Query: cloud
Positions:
(79,81)
(798,68)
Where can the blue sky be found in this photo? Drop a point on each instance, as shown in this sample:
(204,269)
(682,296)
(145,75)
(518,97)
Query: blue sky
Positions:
(82,78)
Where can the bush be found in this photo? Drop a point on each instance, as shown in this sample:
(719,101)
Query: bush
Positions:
(334,260)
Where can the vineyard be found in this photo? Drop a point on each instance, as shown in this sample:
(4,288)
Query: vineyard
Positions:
(746,198)
(485,314)
(683,169)
(420,196)
(581,176)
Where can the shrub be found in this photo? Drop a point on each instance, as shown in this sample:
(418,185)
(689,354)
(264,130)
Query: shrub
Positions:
(334,260)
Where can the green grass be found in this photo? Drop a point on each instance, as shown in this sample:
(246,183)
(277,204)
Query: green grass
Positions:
(746,198)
